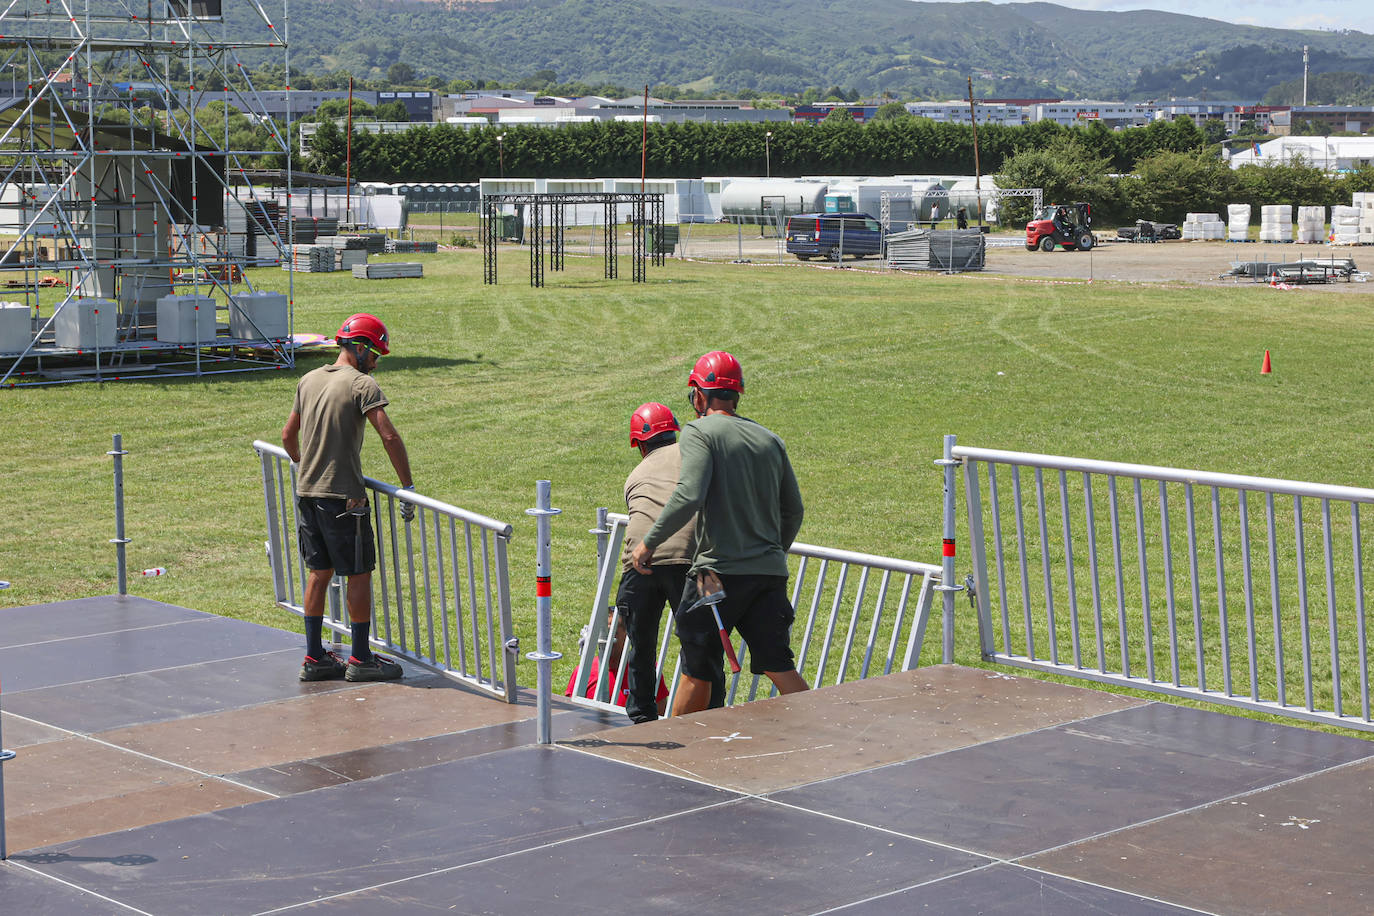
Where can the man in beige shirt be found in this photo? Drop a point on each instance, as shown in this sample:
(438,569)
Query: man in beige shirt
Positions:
(640,600)
(324,436)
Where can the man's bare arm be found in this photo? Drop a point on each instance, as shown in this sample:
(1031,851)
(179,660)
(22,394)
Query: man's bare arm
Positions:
(391,441)
(291,438)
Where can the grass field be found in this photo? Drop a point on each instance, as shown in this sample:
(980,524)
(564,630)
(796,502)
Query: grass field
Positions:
(861,373)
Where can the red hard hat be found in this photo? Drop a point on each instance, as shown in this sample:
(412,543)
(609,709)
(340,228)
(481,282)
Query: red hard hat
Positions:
(649,420)
(368,327)
(717,369)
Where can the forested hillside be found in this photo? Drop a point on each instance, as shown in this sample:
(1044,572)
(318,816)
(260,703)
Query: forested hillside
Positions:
(910,49)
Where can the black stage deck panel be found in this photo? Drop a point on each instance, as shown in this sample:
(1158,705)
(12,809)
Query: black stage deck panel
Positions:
(945,790)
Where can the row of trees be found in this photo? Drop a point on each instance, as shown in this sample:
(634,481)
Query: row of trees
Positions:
(837,146)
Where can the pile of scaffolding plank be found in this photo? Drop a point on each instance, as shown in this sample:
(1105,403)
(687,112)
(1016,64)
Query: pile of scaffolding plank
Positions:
(311,258)
(401,246)
(348,258)
(392,271)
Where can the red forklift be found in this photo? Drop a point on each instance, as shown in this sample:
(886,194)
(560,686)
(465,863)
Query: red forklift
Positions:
(1068,227)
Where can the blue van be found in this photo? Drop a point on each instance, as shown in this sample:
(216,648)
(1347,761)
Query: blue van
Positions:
(833,235)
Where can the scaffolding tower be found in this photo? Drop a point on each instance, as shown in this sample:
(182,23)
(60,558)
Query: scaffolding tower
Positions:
(124,252)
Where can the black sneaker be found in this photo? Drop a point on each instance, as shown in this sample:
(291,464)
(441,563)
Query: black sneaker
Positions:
(325,668)
(377,668)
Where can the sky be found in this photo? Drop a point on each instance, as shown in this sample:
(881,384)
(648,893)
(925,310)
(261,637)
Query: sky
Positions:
(1282,14)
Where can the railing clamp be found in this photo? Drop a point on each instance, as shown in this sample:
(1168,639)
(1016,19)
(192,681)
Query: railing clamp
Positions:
(943,462)
(513,644)
(947,588)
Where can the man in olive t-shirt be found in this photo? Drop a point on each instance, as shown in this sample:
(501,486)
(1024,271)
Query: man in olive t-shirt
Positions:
(736,476)
(324,436)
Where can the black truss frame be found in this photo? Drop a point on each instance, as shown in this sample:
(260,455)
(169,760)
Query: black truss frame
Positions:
(647,220)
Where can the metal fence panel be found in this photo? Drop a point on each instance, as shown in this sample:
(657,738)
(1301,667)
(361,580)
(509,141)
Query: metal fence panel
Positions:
(441,589)
(1169,559)
(845,628)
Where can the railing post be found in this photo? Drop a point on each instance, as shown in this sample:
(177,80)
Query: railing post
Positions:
(947,586)
(119,540)
(543,590)
(4,756)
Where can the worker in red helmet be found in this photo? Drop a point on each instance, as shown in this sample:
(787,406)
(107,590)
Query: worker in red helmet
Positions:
(737,479)
(642,596)
(324,436)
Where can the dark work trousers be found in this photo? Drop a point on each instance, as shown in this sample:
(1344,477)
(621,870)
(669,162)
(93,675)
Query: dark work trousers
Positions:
(641,600)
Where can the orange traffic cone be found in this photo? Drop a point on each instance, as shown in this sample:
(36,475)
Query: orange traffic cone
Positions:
(1266,369)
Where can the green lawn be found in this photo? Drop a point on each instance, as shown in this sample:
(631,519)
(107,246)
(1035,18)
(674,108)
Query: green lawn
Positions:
(861,372)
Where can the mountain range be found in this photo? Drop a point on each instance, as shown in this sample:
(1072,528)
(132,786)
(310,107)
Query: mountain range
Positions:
(905,48)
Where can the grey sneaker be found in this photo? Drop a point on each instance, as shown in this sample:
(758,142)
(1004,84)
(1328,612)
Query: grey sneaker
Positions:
(325,668)
(377,668)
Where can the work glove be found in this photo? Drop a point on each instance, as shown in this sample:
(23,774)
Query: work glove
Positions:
(407,509)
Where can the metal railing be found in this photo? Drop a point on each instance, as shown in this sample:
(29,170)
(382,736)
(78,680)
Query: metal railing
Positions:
(1113,572)
(441,589)
(842,632)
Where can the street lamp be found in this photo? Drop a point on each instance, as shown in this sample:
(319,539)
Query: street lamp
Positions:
(768,153)
(501,152)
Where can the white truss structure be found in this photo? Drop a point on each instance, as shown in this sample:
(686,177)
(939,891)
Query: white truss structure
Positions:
(116,190)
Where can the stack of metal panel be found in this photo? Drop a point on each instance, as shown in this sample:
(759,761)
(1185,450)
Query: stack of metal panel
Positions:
(909,250)
(941,249)
(402,246)
(359,242)
(312,258)
(392,271)
(348,258)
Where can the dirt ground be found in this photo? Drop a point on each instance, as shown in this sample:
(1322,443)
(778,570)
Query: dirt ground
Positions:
(1202,263)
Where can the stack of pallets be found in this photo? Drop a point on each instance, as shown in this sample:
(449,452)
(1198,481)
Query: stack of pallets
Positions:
(312,258)
(393,271)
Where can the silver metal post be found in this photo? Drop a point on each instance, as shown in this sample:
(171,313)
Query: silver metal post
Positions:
(543,590)
(119,540)
(4,756)
(947,584)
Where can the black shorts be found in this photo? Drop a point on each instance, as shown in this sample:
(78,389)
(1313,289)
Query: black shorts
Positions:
(757,607)
(329,541)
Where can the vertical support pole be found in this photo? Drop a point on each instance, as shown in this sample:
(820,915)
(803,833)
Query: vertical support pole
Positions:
(543,655)
(119,540)
(4,756)
(947,586)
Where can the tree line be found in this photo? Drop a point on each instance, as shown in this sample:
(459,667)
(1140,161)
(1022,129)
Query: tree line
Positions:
(693,149)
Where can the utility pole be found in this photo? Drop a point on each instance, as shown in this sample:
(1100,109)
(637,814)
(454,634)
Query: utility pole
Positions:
(1304,76)
(977,170)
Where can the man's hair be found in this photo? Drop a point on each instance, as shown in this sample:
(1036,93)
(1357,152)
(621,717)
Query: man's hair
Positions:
(721,394)
(668,437)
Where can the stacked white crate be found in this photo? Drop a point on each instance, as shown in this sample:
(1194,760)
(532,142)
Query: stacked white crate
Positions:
(16,327)
(85,324)
(1364,200)
(1238,222)
(1345,225)
(1276,223)
(1201,226)
(258,315)
(185,319)
(1311,225)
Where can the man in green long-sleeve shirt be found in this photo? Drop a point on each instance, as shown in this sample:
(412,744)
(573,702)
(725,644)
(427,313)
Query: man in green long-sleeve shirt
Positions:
(736,477)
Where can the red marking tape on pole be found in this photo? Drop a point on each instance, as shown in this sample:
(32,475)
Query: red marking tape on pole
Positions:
(543,587)
(949,547)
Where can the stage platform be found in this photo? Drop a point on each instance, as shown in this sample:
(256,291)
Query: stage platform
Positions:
(170,763)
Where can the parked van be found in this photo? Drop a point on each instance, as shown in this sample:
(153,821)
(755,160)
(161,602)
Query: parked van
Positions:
(833,235)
